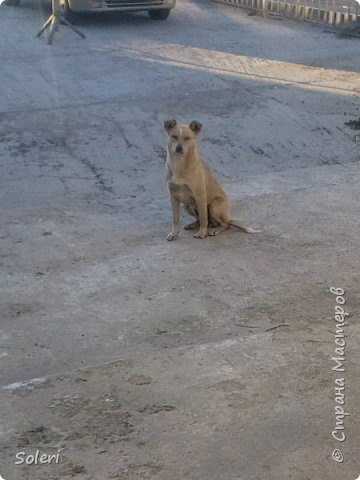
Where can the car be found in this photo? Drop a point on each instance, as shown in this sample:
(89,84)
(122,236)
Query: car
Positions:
(157,9)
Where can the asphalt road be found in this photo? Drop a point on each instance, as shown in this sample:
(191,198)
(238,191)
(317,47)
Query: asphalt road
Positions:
(198,360)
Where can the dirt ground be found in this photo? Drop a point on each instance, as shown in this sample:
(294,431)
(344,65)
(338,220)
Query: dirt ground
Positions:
(136,358)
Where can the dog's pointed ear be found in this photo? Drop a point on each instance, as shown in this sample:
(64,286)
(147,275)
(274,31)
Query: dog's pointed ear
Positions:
(195,127)
(169,124)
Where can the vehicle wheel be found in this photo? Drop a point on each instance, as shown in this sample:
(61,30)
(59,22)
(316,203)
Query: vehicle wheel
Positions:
(67,12)
(159,14)
(13,3)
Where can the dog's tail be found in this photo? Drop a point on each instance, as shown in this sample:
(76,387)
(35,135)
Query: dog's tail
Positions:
(233,222)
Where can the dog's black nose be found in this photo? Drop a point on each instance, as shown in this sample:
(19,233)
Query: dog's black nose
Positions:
(178,149)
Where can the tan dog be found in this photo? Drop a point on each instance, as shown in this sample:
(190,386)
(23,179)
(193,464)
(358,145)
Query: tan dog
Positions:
(191,182)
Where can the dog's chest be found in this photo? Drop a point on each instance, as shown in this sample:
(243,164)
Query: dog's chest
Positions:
(180,190)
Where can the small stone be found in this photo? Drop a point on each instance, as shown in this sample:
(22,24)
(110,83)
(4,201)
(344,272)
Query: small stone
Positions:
(140,379)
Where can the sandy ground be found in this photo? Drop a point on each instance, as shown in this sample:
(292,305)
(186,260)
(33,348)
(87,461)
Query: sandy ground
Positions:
(196,360)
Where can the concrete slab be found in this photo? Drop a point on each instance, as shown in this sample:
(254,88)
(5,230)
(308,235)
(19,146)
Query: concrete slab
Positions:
(137,358)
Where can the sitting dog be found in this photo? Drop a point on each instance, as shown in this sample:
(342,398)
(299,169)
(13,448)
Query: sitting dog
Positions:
(191,182)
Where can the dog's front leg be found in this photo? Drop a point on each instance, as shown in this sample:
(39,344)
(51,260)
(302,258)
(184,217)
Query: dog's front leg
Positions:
(200,198)
(175,206)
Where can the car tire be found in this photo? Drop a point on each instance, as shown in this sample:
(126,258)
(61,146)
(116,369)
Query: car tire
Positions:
(161,14)
(13,3)
(68,14)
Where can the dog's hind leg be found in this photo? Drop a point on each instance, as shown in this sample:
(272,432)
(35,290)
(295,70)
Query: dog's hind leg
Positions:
(215,231)
(192,225)
(219,215)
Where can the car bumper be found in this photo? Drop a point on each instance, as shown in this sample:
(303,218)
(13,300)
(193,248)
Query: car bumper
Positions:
(119,5)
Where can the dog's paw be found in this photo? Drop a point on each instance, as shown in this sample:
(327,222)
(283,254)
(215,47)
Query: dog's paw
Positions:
(172,236)
(200,234)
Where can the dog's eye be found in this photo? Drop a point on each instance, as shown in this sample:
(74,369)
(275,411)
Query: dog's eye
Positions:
(174,137)
(186,139)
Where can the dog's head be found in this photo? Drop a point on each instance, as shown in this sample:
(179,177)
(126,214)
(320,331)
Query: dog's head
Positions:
(181,138)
